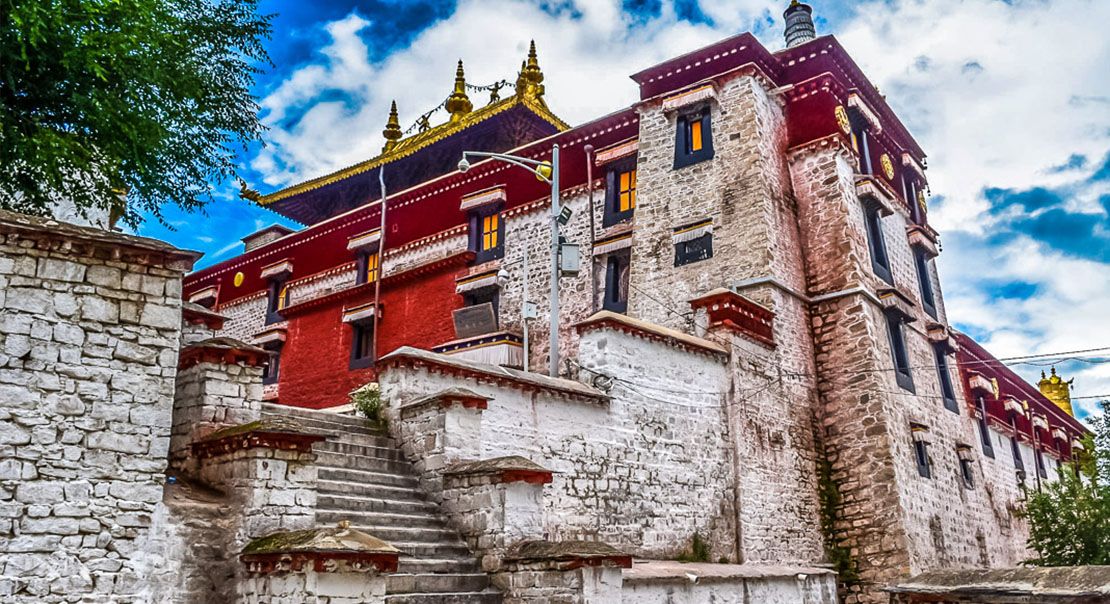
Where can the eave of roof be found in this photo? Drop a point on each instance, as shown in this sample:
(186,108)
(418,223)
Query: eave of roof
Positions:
(408,146)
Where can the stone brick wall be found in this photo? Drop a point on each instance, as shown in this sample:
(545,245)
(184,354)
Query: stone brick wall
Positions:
(540,584)
(492,515)
(89,332)
(210,396)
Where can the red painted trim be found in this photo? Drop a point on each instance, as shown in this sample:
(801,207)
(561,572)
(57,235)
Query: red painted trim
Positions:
(469,402)
(193,355)
(255,439)
(264,564)
(529,476)
(733,311)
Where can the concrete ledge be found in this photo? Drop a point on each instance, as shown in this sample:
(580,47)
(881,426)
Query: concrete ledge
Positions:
(667,571)
(650,331)
(567,555)
(228,351)
(512,468)
(270,433)
(1032,585)
(328,549)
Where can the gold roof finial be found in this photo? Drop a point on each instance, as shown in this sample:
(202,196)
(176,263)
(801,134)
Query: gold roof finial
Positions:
(392,132)
(530,74)
(458,104)
(1055,389)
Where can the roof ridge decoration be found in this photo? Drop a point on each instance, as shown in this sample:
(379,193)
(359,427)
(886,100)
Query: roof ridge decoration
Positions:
(529,94)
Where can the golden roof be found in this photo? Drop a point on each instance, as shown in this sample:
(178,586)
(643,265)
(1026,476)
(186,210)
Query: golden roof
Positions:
(529,94)
(1055,389)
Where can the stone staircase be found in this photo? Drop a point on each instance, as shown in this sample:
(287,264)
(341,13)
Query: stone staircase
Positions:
(364,478)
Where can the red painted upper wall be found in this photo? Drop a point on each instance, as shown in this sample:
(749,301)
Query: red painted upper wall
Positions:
(973,359)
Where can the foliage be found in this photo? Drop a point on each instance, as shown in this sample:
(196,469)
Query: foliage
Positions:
(831,500)
(147,97)
(368,402)
(698,552)
(1069,520)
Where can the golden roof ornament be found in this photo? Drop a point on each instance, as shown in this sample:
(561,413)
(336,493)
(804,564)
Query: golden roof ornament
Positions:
(1055,389)
(392,132)
(531,77)
(458,104)
(248,193)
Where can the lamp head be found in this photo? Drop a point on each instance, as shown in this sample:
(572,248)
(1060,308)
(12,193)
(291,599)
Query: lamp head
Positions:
(464,165)
(502,275)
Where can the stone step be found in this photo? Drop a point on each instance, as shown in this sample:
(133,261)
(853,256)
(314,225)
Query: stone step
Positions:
(302,412)
(330,459)
(347,447)
(367,477)
(373,491)
(401,583)
(485,597)
(437,551)
(419,566)
(384,518)
(428,535)
(359,503)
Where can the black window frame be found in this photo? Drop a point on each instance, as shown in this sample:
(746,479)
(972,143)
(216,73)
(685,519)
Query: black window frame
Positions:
(984,429)
(967,473)
(363,264)
(271,371)
(694,250)
(925,281)
(899,351)
(1038,458)
(909,193)
(682,156)
(1015,449)
(614,263)
(876,242)
(944,375)
(359,331)
(613,214)
(476,218)
(859,127)
(273,307)
(921,458)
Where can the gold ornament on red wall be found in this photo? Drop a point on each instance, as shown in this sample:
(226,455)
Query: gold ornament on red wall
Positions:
(888,166)
(238,279)
(842,119)
(921,200)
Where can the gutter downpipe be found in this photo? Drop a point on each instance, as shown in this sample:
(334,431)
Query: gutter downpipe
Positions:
(381,268)
(589,149)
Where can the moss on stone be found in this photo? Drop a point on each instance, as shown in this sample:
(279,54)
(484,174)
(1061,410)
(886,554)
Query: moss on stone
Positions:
(831,500)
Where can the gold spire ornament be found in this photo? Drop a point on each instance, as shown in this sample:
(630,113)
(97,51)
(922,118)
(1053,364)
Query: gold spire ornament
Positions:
(458,104)
(392,132)
(1055,389)
(530,75)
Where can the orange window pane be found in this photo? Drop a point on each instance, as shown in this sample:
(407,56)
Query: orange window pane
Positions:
(489,232)
(632,192)
(372,268)
(283,298)
(695,136)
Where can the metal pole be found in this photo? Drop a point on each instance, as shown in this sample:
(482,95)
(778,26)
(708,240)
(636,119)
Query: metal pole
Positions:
(554,324)
(524,319)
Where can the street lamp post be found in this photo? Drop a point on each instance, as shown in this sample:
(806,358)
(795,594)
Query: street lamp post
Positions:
(537,167)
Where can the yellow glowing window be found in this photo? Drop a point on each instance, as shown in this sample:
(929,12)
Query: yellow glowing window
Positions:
(371,268)
(695,136)
(855,146)
(490,231)
(283,297)
(628,191)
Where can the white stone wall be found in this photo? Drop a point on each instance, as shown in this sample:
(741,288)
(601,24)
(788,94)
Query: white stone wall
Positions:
(210,396)
(88,355)
(766,586)
(298,587)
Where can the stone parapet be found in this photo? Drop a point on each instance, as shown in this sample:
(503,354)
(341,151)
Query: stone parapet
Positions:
(494,503)
(438,430)
(562,572)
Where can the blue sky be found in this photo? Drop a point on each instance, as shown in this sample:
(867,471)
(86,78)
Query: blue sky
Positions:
(1009,98)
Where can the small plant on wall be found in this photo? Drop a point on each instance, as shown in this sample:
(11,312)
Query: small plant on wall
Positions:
(698,552)
(368,403)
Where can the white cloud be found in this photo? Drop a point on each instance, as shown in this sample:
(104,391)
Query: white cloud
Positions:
(997,93)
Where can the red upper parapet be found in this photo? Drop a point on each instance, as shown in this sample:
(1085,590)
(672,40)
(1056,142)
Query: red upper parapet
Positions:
(1003,392)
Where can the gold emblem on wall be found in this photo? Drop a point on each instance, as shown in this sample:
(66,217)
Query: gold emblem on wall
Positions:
(842,119)
(888,166)
(238,279)
(921,200)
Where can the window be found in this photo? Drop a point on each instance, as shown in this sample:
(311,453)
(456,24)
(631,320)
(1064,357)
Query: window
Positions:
(925,281)
(921,451)
(967,473)
(693,138)
(272,369)
(860,142)
(362,345)
(898,351)
(880,263)
(984,429)
(909,193)
(368,265)
(946,389)
(483,295)
(487,239)
(694,250)
(620,192)
(1041,471)
(1015,449)
(616,282)
(277,300)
